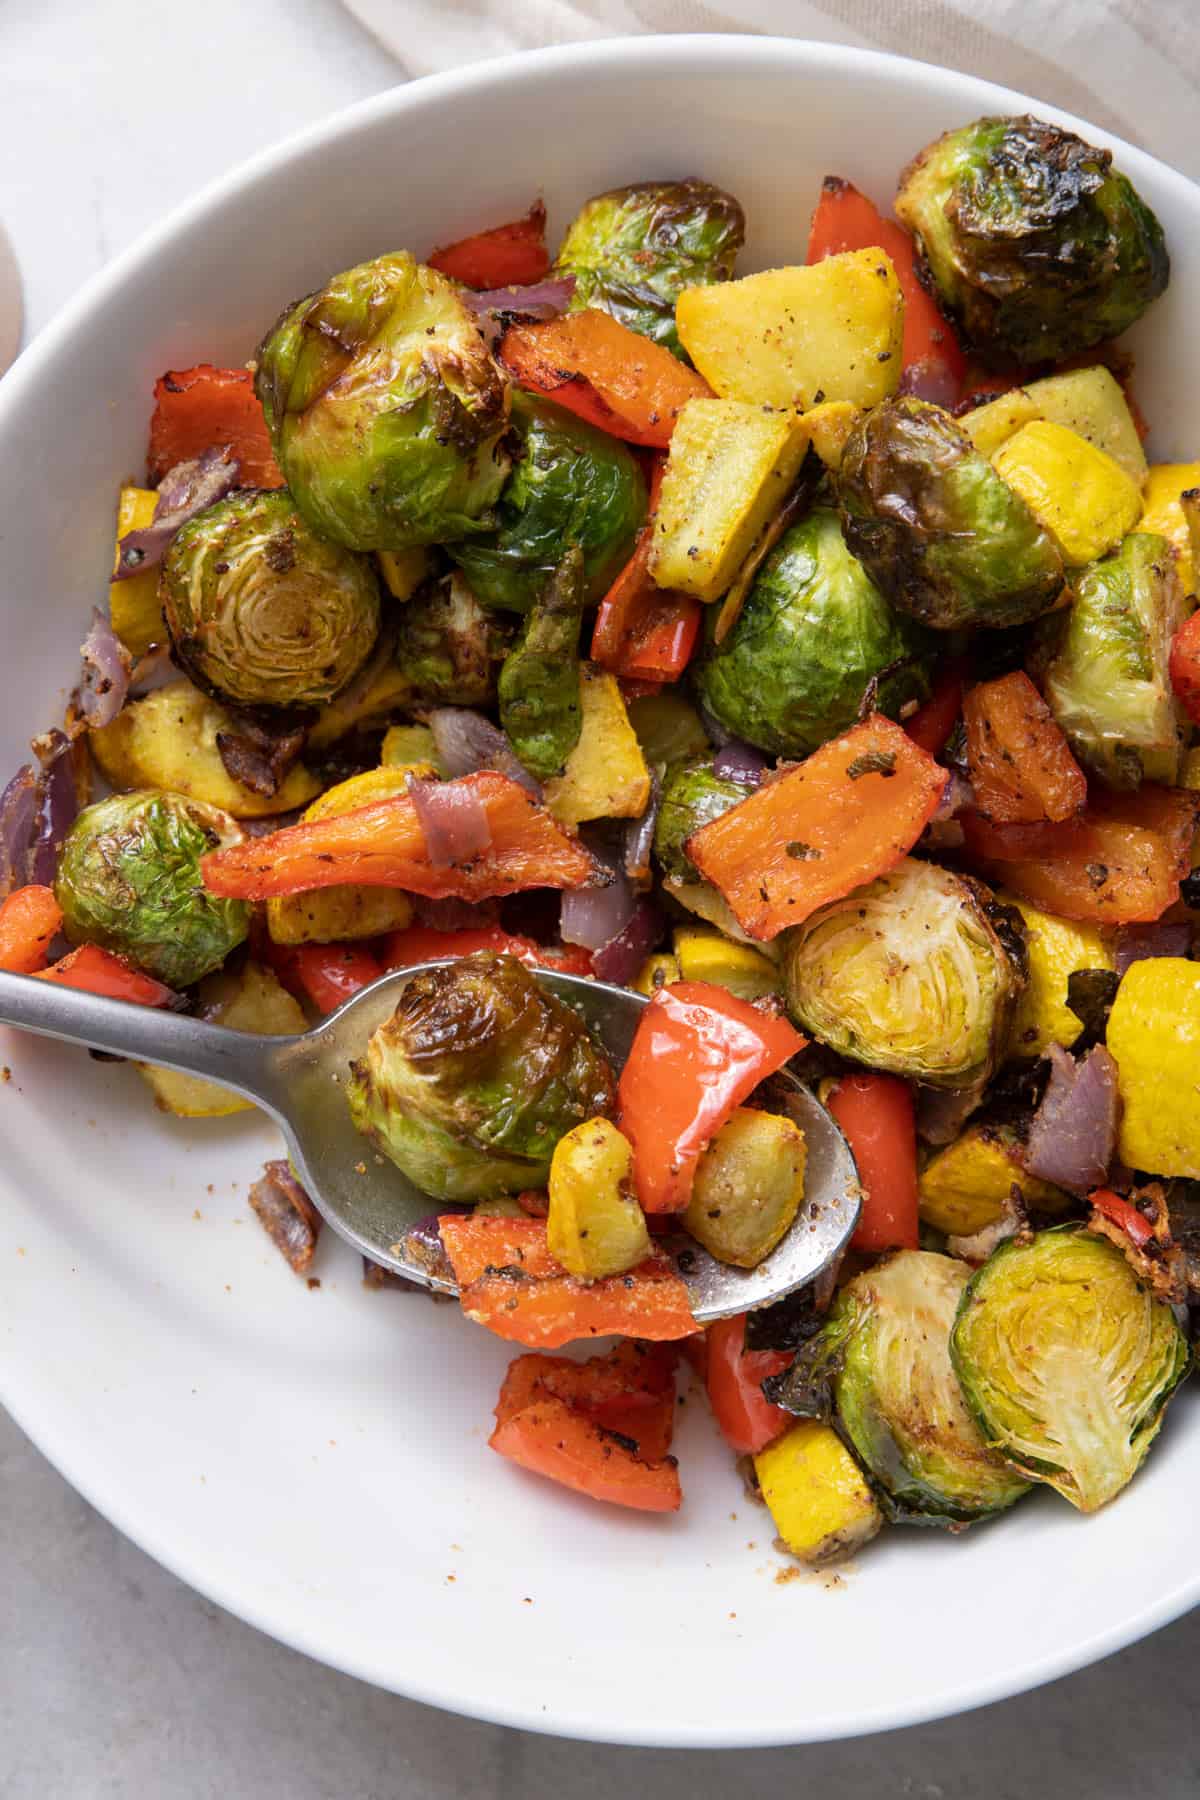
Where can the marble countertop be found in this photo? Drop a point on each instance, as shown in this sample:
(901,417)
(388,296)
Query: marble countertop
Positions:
(115,1680)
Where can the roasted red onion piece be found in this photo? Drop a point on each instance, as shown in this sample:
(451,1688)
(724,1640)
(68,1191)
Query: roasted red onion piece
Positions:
(931,381)
(593,917)
(467,741)
(19,805)
(1136,943)
(639,839)
(740,762)
(260,755)
(1073,1138)
(453,819)
(183,492)
(58,798)
(422,1244)
(286,1213)
(496,309)
(622,957)
(106,670)
(942,1112)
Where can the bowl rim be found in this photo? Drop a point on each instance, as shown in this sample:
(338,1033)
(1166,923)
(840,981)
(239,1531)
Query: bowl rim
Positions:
(679,54)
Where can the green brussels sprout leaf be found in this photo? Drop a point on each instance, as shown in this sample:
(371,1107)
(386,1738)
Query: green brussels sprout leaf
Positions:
(540,707)
(692,795)
(448,647)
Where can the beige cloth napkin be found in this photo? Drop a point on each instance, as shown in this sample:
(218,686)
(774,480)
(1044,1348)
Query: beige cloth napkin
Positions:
(1131,66)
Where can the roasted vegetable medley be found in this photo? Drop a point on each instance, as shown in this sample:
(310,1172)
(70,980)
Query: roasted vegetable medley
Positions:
(814,651)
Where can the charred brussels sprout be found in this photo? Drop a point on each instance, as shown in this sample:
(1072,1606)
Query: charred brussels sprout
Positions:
(261,610)
(813,634)
(448,647)
(129,880)
(540,707)
(572,484)
(386,410)
(1105,664)
(633,251)
(918,973)
(897,1395)
(935,527)
(1036,245)
(471,1083)
(1067,1361)
(691,796)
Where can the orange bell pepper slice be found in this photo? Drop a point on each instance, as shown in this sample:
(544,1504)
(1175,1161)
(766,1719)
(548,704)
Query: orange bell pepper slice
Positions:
(97,971)
(511,255)
(605,373)
(29,919)
(697,1053)
(421,943)
(821,828)
(550,1438)
(877,1115)
(631,1390)
(197,409)
(733,1378)
(510,1283)
(383,845)
(1021,765)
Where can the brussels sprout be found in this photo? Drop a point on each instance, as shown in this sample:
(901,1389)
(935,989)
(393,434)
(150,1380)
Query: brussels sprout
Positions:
(129,880)
(919,973)
(448,647)
(936,528)
(1067,1361)
(540,707)
(813,634)
(897,1395)
(1105,673)
(668,728)
(633,251)
(691,796)
(386,410)
(572,485)
(471,1083)
(1036,245)
(261,610)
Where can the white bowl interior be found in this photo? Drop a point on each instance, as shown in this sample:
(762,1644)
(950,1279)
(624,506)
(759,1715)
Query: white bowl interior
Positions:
(317,1460)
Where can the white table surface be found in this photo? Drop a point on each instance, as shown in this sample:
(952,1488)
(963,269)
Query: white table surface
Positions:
(115,1680)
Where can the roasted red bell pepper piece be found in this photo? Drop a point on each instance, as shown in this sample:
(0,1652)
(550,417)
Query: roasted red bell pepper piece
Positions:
(97,971)
(29,919)
(605,373)
(930,726)
(630,1390)
(1020,763)
(198,409)
(1185,667)
(511,255)
(645,633)
(325,974)
(697,1053)
(876,1113)
(1124,1214)
(550,1438)
(734,1378)
(421,943)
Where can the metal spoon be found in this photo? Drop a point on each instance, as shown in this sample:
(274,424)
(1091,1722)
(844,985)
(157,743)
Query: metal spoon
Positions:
(298,1082)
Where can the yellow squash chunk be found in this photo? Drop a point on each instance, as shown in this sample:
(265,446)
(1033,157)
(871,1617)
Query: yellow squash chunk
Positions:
(1082,498)
(707,955)
(748,1188)
(168,739)
(595,1226)
(406,745)
(330,915)
(250,1001)
(1163,513)
(606,775)
(964,1187)
(816,1493)
(1057,948)
(794,337)
(369,701)
(133,605)
(729,470)
(657,971)
(403,571)
(1154,1034)
(1088,401)
(828,426)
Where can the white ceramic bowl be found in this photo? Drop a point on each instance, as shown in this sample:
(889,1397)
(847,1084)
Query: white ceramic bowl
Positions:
(317,1461)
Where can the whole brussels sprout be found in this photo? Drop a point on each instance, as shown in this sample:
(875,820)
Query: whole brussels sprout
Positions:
(572,484)
(129,880)
(898,1398)
(386,409)
(691,796)
(935,527)
(1036,246)
(813,633)
(634,250)
(448,647)
(475,1078)
(261,610)
(1067,1361)
(919,973)
(540,706)
(1105,669)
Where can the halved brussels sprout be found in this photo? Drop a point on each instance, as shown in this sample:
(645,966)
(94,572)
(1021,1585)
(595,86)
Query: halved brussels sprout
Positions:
(936,528)
(1036,245)
(572,484)
(540,706)
(448,647)
(813,633)
(691,796)
(1107,680)
(634,250)
(918,973)
(261,610)
(386,410)
(1067,1361)
(471,1083)
(898,1397)
(129,880)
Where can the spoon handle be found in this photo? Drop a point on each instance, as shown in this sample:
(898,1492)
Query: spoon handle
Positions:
(240,1060)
